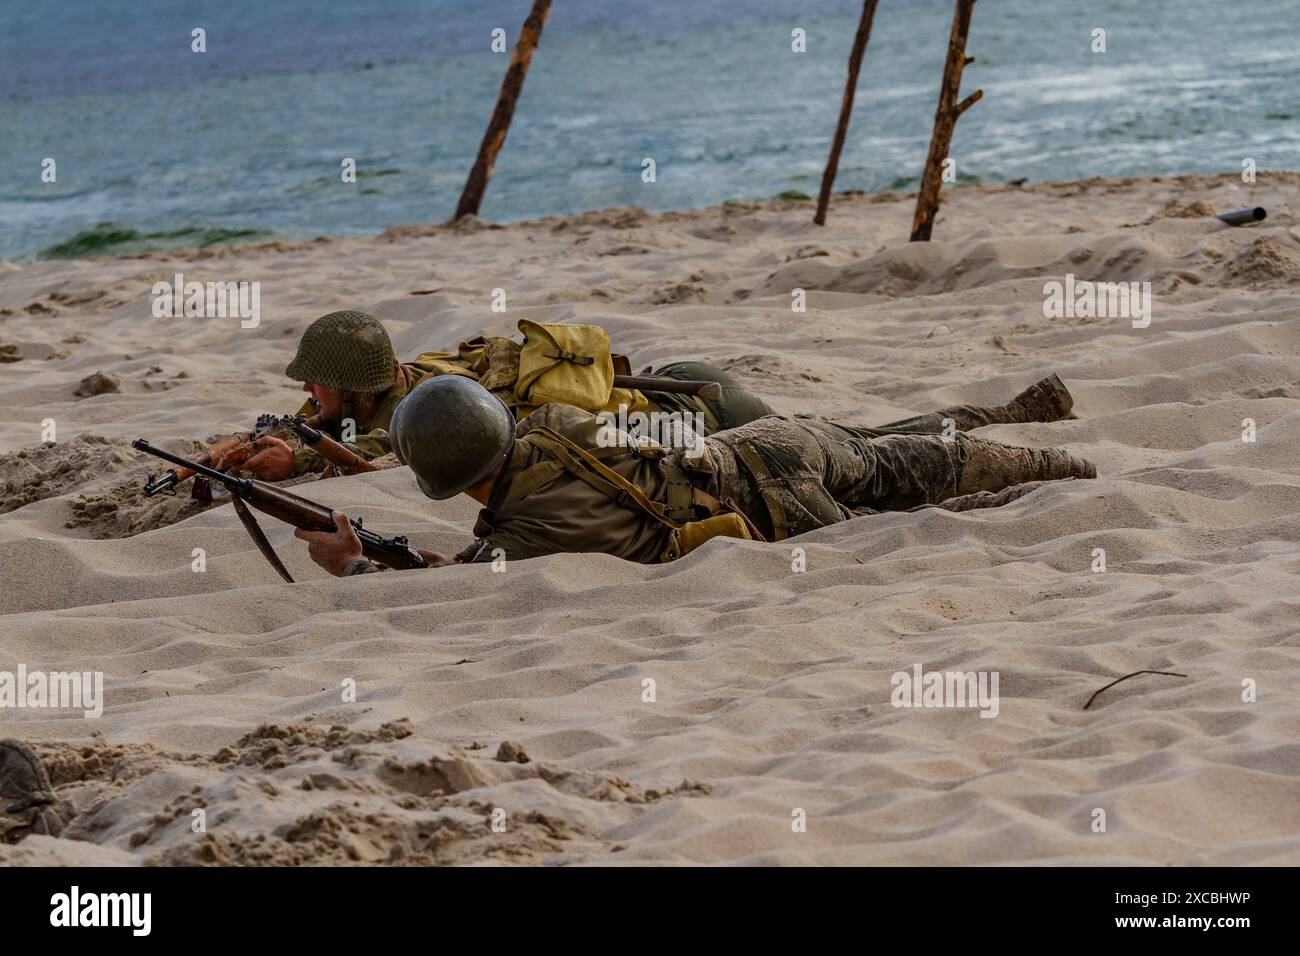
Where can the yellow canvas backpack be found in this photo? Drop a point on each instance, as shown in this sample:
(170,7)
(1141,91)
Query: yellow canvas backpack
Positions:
(570,364)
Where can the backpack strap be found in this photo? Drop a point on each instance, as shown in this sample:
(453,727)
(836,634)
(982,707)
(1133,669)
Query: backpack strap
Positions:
(754,463)
(532,478)
(680,493)
(542,472)
(564,355)
(684,497)
(586,466)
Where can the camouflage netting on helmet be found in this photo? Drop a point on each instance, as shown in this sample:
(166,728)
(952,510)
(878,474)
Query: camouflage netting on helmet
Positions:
(347,351)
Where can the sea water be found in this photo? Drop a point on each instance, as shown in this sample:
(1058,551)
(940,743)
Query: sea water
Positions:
(155,145)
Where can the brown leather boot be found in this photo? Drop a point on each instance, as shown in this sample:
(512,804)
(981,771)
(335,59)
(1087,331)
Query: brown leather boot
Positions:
(992,466)
(1045,401)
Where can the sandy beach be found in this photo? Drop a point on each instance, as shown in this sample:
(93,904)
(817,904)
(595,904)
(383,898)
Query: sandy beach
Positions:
(519,698)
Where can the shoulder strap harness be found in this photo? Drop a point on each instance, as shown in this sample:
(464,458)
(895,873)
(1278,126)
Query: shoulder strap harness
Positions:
(585,464)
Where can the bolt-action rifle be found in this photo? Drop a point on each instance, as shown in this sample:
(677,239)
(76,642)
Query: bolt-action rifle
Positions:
(293,509)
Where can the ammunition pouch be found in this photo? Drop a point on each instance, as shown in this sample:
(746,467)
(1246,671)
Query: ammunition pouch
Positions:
(692,534)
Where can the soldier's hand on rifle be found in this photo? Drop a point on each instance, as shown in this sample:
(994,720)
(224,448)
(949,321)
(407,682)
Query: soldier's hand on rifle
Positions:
(332,550)
(274,461)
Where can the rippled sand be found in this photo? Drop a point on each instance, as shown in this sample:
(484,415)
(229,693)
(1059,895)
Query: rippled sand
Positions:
(772,688)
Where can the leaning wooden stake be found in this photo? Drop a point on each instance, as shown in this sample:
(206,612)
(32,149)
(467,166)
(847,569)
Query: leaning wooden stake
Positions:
(846,109)
(499,125)
(945,118)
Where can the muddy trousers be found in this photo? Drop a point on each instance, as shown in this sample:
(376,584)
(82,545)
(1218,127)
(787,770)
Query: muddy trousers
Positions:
(871,469)
(868,471)
(738,406)
(961,418)
(794,475)
(876,471)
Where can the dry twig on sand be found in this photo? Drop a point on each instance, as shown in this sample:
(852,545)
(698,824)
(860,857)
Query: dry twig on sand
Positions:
(1126,677)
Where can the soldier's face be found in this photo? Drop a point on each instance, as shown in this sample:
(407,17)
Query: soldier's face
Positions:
(329,403)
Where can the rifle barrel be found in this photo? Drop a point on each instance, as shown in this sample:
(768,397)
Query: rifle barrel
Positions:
(304,431)
(1244,217)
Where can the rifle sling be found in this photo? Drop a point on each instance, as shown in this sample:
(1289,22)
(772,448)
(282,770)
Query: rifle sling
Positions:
(543,472)
(255,532)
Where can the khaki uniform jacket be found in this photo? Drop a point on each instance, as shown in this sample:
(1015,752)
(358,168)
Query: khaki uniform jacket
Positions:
(536,507)
(787,475)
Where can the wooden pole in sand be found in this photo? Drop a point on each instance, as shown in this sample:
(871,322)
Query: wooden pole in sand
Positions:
(846,109)
(499,125)
(945,118)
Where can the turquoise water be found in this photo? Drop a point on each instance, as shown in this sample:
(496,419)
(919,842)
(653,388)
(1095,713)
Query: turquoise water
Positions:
(157,146)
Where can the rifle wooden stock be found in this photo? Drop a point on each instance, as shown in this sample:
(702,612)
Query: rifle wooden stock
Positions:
(311,516)
(343,458)
(659,383)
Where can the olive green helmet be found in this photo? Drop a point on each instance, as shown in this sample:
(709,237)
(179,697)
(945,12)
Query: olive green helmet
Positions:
(452,432)
(347,351)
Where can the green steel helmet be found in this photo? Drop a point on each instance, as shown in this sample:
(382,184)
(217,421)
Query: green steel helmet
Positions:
(346,351)
(452,432)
